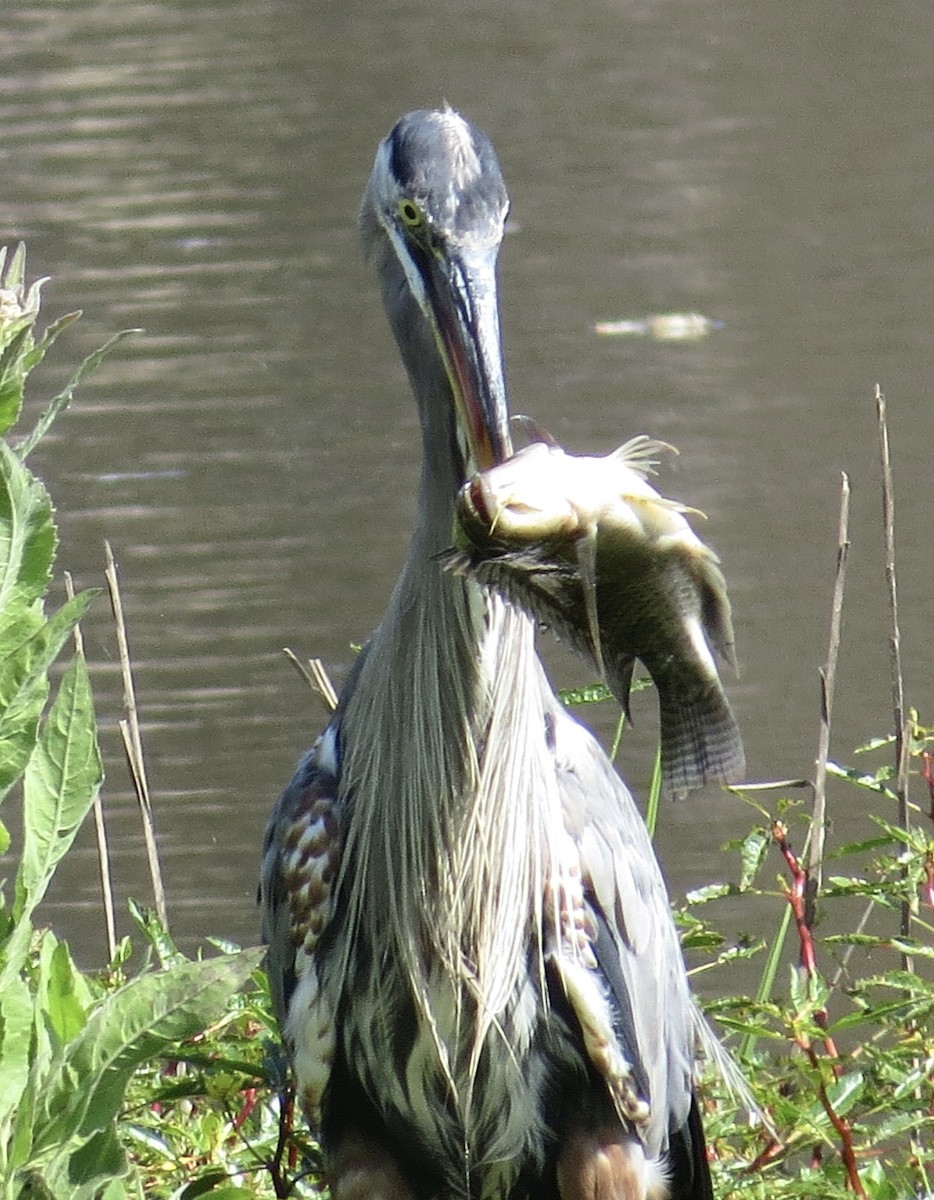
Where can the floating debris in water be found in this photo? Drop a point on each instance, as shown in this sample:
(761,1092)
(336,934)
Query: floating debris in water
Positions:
(134,476)
(664,327)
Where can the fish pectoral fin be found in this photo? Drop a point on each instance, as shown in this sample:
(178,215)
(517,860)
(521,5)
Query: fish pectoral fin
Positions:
(453,560)
(621,687)
(663,502)
(716,615)
(586,547)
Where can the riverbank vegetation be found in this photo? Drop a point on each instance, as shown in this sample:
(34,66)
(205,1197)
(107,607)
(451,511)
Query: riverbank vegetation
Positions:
(160,1076)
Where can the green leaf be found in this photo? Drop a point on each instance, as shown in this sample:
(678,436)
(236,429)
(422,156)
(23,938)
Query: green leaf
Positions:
(28,647)
(64,398)
(592,694)
(770,970)
(227,1192)
(62,779)
(27,533)
(861,779)
(68,996)
(754,849)
(16,1016)
(713,891)
(156,934)
(129,1027)
(18,343)
(911,947)
(844,1092)
(655,792)
(80,1173)
(38,352)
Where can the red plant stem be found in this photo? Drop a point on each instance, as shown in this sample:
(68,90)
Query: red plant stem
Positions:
(797,898)
(927,774)
(772,1150)
(280,1182)
(929,879)
(250,1099)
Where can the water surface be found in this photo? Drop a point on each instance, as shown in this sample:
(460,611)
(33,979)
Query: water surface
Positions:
(195,168)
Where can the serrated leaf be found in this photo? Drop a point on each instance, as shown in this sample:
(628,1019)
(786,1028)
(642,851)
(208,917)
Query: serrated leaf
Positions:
(19,731)
(16,1017)
(713,891)
(591,694)
(911,947)
(64,398)
(749,1028)
(62,779)
(67,997)
(27,533)
(129,1027)
(754,849)
(18,342)
(844,1092)
(28,647)
(80,1173)
(226,1192)
(156,934)
(206,1183)
(861,779)
(866,846)
(44,343)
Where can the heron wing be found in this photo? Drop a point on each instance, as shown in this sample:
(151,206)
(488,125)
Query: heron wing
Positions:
(636,952)
(301,855)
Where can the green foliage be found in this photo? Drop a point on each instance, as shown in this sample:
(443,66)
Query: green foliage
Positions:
(69,1044)
(830,1060)
(168,1083)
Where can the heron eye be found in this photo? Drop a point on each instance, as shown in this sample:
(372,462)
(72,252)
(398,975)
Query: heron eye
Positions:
(410,213)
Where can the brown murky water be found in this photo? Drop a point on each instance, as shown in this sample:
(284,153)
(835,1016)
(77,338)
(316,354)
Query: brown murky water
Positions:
(195,167)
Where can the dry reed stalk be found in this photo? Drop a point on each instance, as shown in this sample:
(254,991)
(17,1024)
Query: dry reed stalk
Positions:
(100,830)
(317,678)
(900,717)
(828,677)
(132,739)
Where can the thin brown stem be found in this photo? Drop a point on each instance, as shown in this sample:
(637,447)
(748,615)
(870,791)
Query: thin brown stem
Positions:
(132,739)
(100,830)
(828,679)
(797,894)
(317,678)
(895,657)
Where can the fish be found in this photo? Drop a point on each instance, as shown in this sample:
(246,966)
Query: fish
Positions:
(585,545)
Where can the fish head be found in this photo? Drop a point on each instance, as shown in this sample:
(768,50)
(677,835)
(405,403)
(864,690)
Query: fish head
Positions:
(523,500)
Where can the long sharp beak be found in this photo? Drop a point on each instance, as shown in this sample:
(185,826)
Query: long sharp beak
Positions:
(461,290)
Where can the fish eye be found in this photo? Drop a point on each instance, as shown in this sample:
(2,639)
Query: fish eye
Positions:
(410,213)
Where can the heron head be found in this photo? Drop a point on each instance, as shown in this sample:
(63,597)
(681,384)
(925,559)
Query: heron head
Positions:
(432,220)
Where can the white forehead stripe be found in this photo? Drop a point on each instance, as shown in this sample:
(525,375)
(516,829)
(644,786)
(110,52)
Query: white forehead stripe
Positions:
(464,159)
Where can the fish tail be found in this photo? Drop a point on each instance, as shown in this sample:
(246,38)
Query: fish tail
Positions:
(700,740)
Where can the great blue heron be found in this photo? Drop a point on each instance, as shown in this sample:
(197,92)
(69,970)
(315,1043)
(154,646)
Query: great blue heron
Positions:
(471,950)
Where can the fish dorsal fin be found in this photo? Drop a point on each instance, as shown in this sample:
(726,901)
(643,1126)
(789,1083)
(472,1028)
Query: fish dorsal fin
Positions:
(641,452)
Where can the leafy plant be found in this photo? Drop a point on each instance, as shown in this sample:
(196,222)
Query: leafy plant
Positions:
(68,1044)
(168,1083)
